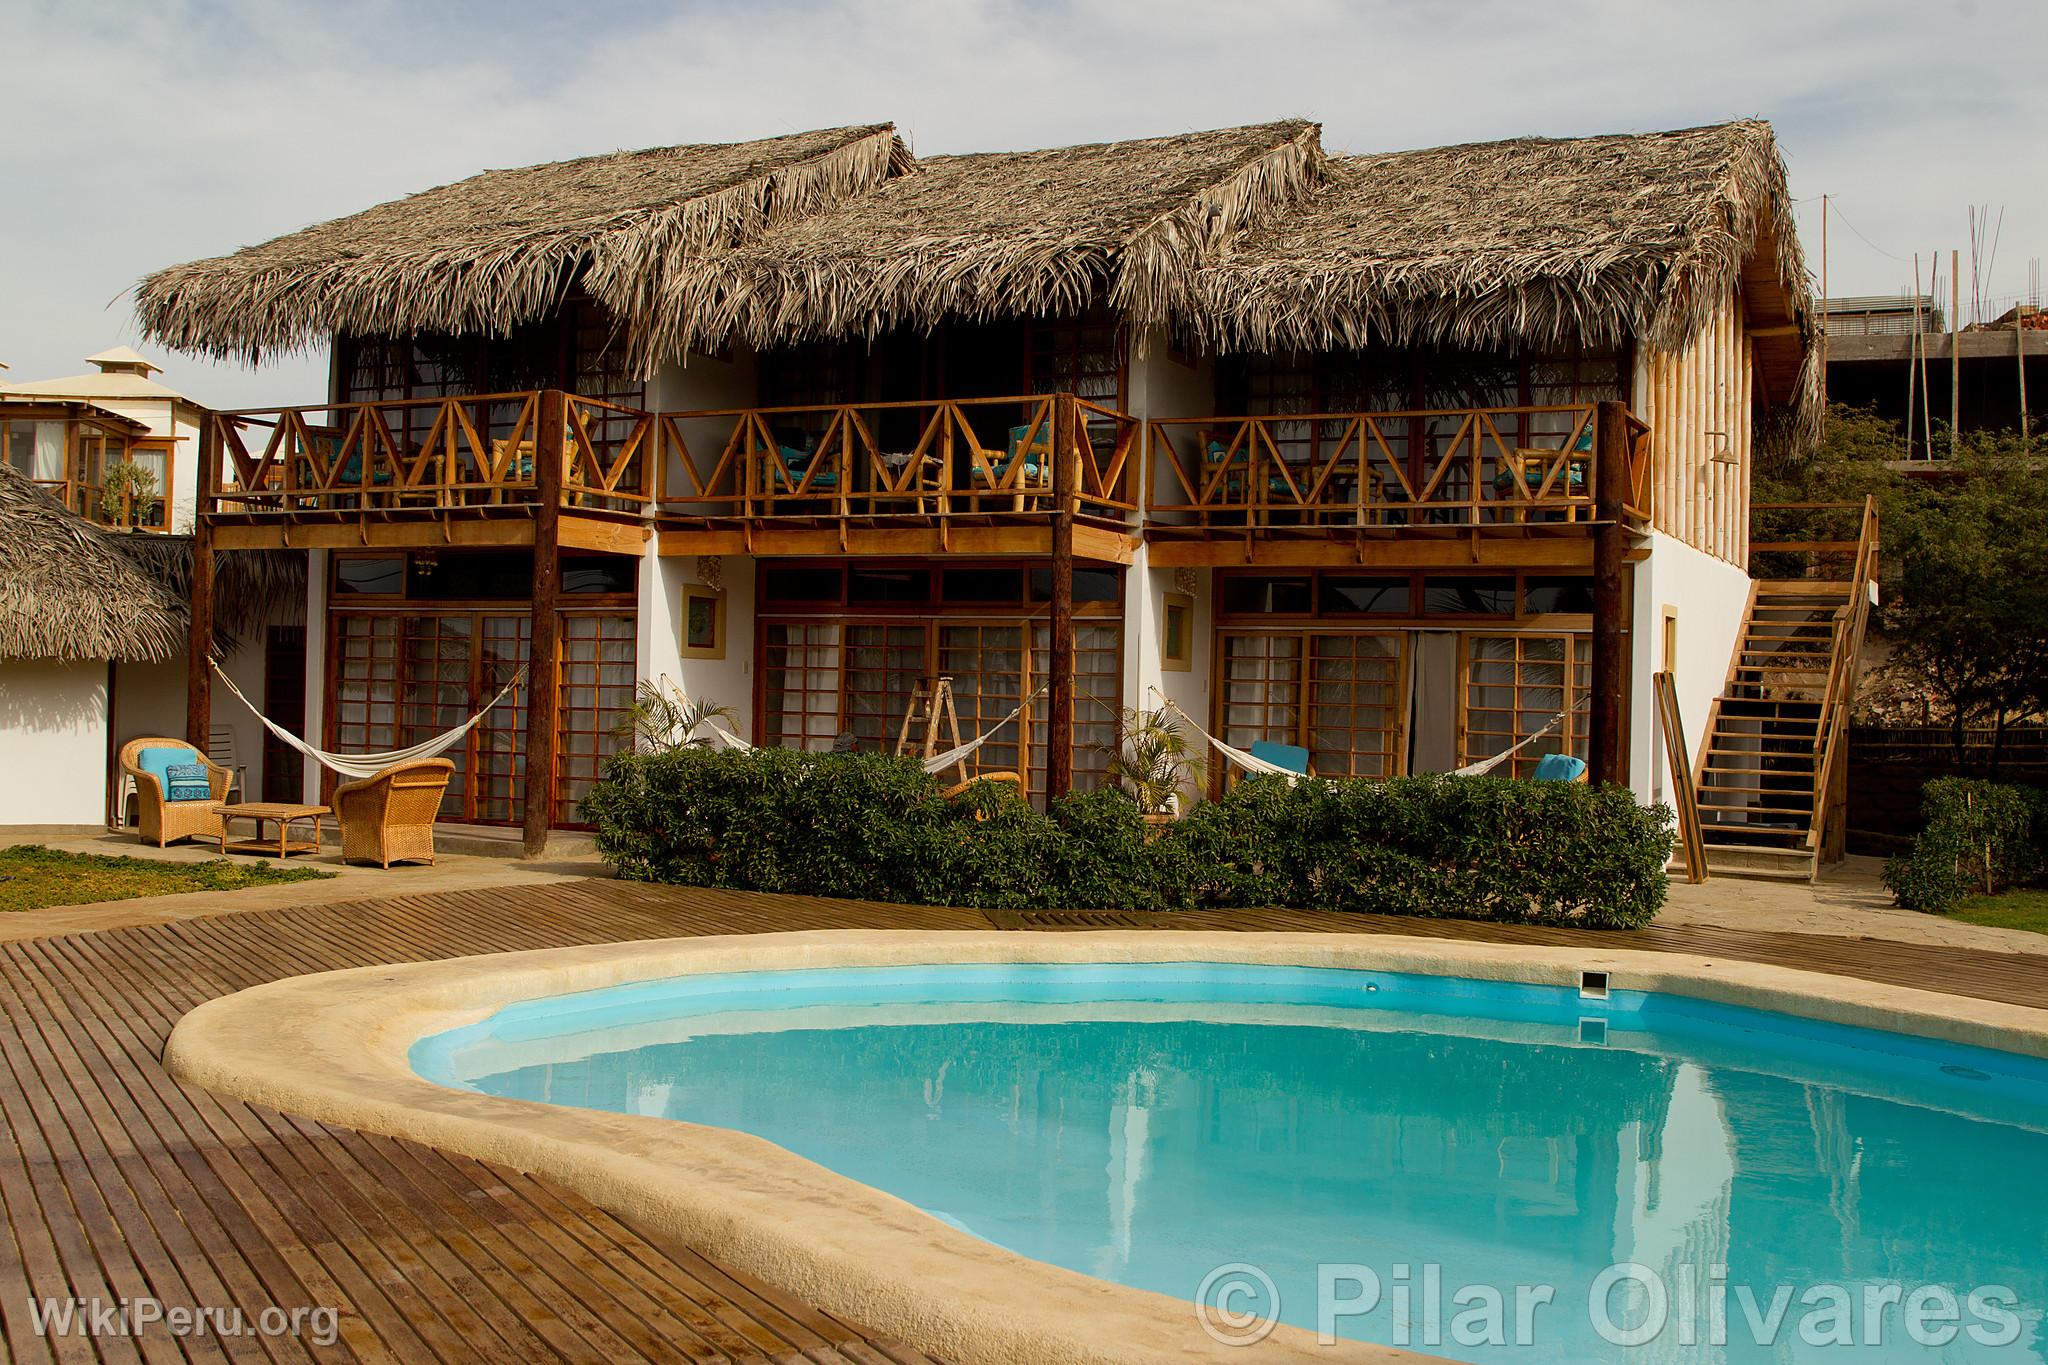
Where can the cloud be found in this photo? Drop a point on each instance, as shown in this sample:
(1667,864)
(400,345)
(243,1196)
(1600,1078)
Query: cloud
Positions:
(133,136)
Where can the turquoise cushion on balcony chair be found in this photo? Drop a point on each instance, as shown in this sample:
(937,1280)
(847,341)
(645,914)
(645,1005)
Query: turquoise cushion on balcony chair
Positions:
(188,782)
(1559,768)
(1292,757)
(352,474)
(159,763)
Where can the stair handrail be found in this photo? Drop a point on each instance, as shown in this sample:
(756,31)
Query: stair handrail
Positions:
(1844,668)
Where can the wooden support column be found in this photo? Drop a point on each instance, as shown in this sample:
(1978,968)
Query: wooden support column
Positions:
(1059,729)
(1609,759)
(199,634)
(541,672)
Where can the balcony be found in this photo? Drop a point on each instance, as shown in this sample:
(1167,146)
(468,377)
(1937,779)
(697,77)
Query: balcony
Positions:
(1444,473)
(466,460)
(953,474)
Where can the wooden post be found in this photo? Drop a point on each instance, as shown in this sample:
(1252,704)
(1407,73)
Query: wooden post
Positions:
(541,676)
(1609,761)
(199,633)
(1955,349)
(1059,729)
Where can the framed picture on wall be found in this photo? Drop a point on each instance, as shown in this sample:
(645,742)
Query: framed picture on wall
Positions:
(1177,633)
(703,622)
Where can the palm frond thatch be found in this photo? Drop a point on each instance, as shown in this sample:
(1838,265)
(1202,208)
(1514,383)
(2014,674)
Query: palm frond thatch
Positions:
(70,590)
(487,253)
(1536,240)
(995,234)
(251,588)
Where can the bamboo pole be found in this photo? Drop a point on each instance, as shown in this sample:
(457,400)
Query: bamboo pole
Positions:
(1955,349)
(1913,358)
(2019,351)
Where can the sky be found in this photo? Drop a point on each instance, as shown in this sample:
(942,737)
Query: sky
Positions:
(134,136)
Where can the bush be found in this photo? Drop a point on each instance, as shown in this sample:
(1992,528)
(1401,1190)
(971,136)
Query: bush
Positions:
(1978,837)
(878,828)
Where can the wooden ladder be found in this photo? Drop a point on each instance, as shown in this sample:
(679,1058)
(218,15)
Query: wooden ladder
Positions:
(931,706)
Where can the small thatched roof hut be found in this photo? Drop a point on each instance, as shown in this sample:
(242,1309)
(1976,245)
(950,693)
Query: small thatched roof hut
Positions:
(70,590)
(501,248)
(1535,240)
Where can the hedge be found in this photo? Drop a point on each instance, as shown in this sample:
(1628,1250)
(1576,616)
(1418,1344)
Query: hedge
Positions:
(1977,838)
(874,827)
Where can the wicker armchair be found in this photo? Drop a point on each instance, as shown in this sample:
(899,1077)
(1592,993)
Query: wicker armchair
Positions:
(389,818)
(162,822)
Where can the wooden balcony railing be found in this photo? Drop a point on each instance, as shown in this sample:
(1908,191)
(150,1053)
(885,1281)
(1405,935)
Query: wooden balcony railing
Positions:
(428,456)
(898,461)
(1474,467)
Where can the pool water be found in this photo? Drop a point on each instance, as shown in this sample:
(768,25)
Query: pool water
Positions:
(1149,1123)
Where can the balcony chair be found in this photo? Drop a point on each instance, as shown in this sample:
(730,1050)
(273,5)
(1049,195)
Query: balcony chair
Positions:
(389,818)
(794,450)
(1035,474)
(178,790)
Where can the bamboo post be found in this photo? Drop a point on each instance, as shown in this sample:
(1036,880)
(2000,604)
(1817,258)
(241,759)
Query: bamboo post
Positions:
(1955,349)
(1059,730)
(199,637)
(1610,599)
(2019,351)
(542,680)
(1913,358)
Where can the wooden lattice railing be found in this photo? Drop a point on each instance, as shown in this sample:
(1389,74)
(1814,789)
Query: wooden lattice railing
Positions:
(907,460)
(429,455)
(1510,466)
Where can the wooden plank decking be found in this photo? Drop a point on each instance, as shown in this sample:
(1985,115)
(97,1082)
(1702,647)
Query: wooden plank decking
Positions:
(117,1182)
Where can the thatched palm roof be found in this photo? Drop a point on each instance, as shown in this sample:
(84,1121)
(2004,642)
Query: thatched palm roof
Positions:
(996,234)
(501,248)
(1535,240)
(69,590)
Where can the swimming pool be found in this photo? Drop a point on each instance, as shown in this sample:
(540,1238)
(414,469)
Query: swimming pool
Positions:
(1435,1138)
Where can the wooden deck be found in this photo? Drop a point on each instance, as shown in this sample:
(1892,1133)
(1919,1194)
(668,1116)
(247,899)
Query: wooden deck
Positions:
(118,1182)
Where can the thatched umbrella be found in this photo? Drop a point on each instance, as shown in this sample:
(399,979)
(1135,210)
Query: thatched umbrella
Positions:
(69,590)
(501,248)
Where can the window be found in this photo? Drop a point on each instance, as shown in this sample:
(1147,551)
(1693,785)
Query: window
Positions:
(1345,596)
(869,587)
(359,576)
(1515,685)
(1469,596)
(1288,596)
(1341,696)
(802,585)
(1557,596)
(596,691)
(1177,633)
(703,622)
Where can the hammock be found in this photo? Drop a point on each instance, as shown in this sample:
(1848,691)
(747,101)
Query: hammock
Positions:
(1257,766)
(1260,766)
(934,765)
(367,765)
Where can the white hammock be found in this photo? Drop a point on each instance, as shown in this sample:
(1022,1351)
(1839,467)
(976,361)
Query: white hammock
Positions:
(934,765)
(1261,767)
(367,765)
(1256,766)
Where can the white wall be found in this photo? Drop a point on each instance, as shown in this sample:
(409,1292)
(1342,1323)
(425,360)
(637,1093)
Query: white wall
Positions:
(1709,595)
(53,729)
(729,680)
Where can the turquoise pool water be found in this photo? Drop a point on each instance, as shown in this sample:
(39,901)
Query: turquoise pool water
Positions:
(1452,1138)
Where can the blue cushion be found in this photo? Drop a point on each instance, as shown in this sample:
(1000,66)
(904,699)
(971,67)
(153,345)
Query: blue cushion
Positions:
(188,782)
(1292,757)
(1559,768)
(158,763)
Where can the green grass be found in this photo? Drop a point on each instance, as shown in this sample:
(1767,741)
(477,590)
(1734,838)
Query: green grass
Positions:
(32,876)
(2008,910)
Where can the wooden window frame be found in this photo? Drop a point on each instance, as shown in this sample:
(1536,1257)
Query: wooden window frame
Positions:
(1572,734)
(1304,706)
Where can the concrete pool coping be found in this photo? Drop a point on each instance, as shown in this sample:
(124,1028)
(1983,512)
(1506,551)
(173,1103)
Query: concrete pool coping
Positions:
(335,1047)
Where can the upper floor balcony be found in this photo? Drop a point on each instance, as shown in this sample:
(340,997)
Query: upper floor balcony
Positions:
(950,475)
(105,467)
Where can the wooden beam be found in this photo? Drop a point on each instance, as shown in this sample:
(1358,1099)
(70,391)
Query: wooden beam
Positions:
(604,535)
(1097,543)
(199,633)
(350,535)
(1059,729)
(541,676)
(1610,597)
(1565,554)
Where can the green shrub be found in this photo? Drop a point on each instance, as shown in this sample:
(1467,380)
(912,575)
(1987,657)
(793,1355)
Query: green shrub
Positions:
(1978,837)
(877,828)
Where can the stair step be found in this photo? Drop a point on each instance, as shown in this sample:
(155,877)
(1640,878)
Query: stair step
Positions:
(1760,862)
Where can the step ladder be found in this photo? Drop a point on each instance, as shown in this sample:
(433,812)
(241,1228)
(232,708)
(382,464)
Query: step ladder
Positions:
(931,717)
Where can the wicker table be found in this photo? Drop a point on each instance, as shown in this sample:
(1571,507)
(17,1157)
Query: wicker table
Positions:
(264,811)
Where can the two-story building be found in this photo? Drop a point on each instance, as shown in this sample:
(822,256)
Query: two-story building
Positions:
(1400,459)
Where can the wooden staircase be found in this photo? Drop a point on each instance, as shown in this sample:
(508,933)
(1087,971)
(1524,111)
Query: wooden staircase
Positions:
(1771,778)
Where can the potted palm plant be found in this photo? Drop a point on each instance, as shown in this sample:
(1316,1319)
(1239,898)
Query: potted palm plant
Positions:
(1153,761)
(663,718)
